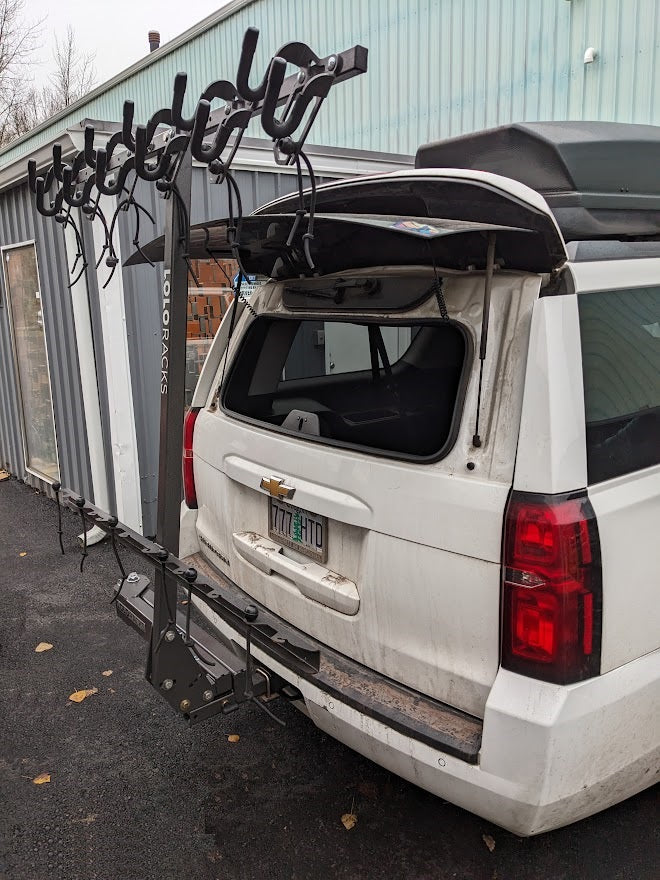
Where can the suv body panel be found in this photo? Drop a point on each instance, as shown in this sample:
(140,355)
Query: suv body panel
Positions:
(407,534)
(427,564)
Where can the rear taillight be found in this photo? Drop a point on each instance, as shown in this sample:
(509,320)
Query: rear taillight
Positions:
(189,491)
(552,588)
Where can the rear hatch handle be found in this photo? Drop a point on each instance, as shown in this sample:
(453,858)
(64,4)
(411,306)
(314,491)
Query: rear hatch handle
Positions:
(313,580)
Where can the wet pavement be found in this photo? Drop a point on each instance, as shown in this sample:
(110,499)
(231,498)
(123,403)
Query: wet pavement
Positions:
(134,794)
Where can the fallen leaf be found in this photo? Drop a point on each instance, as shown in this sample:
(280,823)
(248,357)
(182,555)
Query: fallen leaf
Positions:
(488,840)
(23,553)
(233,738)
(42,646)
(79,696)
(107,672)
(112,690)
(3,476)
(88,819)
(183,602)
(39,780)
(349,820)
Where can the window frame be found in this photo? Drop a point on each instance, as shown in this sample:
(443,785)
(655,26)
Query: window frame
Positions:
(19,389)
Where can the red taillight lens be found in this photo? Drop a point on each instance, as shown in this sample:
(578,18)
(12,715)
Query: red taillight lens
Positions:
(551,588)
(189,491)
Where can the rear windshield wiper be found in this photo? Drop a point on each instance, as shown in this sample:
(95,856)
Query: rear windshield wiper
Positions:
(337,292)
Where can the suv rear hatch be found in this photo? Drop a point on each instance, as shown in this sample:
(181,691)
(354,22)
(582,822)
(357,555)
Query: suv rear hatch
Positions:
(336,476)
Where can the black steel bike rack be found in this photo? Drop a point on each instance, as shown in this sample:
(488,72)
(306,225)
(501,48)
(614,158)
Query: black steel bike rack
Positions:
(198,675)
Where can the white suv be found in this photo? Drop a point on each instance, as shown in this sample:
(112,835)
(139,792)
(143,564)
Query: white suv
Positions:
(464,513)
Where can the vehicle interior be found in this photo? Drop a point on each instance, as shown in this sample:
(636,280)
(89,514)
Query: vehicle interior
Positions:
(396,389)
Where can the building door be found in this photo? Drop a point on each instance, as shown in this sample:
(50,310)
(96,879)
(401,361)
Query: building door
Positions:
(29,341)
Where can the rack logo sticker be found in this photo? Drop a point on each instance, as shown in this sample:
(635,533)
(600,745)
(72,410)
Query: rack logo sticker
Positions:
(165,339)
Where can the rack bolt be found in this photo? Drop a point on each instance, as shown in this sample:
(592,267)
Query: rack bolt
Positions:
(168,684)
(332,62)
(208,696)
(184,705)
(301,76)
(169,635)
(133,577)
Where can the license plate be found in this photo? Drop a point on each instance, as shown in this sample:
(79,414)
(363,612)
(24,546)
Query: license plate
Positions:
(298,529)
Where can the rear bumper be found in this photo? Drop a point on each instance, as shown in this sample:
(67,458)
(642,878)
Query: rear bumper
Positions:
(546,755)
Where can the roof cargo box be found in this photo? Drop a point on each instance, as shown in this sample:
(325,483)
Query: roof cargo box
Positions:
(600,179)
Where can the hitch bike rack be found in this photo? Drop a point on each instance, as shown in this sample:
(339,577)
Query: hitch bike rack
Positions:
(198,675)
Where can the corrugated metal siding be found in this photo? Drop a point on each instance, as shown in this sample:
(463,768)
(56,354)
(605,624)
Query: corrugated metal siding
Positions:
(11,448)
(142,290)
(436,67)
(20,222)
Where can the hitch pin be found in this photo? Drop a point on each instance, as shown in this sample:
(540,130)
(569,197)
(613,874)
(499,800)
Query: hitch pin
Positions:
(250,614)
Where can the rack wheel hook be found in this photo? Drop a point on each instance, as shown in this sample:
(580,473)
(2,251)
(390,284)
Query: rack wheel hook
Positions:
(190,574)
(56,490)
(162,555)
(113,522)
(80,504)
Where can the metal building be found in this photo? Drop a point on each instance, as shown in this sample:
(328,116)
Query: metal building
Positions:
(79,367)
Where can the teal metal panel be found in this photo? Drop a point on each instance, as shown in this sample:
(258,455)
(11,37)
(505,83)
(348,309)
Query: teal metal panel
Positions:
(436,67)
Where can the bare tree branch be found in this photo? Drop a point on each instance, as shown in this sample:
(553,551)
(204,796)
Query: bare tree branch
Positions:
(22,105)
(18,41)
(74,72)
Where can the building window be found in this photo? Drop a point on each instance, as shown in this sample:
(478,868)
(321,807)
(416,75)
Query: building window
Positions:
(29,341)
(207,306)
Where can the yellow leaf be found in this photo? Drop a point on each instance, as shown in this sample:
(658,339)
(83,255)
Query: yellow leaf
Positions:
(39,780)
(489,841)
(79,696)
(107,672)
(349,820)
(23,553)
(42,646)
(233,738)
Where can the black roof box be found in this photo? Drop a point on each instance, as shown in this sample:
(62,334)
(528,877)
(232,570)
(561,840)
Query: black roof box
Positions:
(600,179)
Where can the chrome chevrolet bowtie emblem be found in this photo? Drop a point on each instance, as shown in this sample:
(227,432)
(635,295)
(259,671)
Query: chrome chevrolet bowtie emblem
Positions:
(276,487)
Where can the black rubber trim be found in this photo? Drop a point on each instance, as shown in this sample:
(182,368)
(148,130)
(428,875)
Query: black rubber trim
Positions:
(412,714)
(459,403)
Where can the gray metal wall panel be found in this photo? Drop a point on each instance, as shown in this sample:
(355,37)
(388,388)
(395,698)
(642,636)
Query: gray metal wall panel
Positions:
(19,222)
(142,290)
(11,448)
(436,67)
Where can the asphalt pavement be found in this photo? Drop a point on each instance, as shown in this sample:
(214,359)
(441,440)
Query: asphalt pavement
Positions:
(135,794)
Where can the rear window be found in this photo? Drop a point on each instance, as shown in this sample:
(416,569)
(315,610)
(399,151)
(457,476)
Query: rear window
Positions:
(392,389)
(620,332)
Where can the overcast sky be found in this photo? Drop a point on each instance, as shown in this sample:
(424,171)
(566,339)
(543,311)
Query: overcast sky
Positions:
(116,32)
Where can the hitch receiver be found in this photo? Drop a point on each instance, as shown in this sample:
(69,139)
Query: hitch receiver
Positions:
(198,674)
